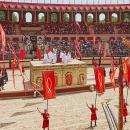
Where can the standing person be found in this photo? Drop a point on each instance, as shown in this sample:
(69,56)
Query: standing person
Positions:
(45,119)
(1,82)
(125,111)
(6,76)
(93,114)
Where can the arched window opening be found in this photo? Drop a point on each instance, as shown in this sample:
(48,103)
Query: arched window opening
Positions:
(78,17)
(102,18)
(41,17)
(114,18)
(66,17)
(90,18)
(54,17)
(126,17)
(2,16)
(28,17)
(15,17)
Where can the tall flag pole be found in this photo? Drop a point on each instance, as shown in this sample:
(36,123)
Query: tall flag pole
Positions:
(3,41)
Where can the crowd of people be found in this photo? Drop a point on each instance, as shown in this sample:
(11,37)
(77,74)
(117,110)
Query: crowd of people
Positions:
(66,28)
(106,28)
(123,28)
(73,28)
(118,49)
(86,47)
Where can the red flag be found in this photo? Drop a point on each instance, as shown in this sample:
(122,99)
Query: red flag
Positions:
(112,75)
(99,46)
(100,79)
(49,84)
(39,54)
(3,41)
(21,54)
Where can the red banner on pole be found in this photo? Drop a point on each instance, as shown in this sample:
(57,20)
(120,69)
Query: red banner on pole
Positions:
(49,84)
(100,79)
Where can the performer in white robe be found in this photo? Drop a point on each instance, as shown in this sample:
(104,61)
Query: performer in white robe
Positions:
(69,56)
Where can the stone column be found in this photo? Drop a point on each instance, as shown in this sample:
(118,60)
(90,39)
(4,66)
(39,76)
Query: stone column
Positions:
(48,17)
(34,17)
(60,17)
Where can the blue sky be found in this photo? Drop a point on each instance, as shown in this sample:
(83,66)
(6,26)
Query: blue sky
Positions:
(76,1)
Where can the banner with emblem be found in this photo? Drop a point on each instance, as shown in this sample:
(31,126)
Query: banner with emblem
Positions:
(100,79)
(49,84)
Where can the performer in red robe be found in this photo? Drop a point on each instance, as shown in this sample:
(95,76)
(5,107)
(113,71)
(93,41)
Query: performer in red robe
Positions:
(45,119)
(93,114)
(125,111)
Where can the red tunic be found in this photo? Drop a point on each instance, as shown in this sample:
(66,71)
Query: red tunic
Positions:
(93,114)
(45,120)
(125,112)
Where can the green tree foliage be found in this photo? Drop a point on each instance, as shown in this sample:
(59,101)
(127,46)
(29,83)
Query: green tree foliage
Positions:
(14,17)
(53,17)
(126,17)
(113,19)
(66,17)
(90,19)
(42,19)
(2,16)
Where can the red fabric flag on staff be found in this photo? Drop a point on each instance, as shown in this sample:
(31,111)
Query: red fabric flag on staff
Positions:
(112,75)
(21,54)
(39,54)
(3,41)
(99,46)
(49,84)
(100,80)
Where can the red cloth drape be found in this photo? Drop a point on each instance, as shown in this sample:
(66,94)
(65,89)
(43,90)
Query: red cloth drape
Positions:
(49,84)
(100,79)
